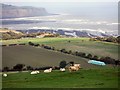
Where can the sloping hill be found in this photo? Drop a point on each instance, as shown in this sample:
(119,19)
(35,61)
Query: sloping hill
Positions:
(9,34)
(38,57)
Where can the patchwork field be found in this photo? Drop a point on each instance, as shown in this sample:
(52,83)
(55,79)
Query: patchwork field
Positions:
(90,78)
(76,44)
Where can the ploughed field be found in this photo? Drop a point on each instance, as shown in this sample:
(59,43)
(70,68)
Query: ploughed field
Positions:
(38,57)
(84,78)
(76,44)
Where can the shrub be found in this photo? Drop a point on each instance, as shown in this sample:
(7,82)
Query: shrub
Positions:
(81,54)
(63,50)
(95,57)
(107,60)
(62,64)
(72,63)
(30,43)
(70,52)
(29,68)
(89,56)
(6,69)
(18,67)
(36,45)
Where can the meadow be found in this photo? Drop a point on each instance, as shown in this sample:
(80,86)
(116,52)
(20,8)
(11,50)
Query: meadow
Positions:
(98,48)
(90,76)
(103,77)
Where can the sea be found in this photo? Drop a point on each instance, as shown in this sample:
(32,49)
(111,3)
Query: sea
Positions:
(95,19)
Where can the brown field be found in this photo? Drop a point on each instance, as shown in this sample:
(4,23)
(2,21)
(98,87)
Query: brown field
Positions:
(38,57)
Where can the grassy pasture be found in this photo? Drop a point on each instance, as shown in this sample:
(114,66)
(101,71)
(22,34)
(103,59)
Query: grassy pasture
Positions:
(84,78)
(91,76)
(76,44)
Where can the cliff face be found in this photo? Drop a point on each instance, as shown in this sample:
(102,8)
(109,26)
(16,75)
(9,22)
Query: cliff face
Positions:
(9,11)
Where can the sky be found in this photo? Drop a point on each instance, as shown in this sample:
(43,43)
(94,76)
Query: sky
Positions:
(73,6)
(59,0)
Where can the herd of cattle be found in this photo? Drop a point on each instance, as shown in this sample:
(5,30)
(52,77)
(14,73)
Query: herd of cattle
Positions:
(74,67)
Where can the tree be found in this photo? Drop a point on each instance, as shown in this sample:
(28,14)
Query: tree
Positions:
(118,39)
(95,57)
(62,64)
(63,50)
(29,68)
(19,67)
(89,56)
(6,69)
(111,39)
(70,52)
(30,43)
(76,53)
(107,60)
(72,63)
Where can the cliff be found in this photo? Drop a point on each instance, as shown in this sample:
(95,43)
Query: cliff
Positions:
(9,11)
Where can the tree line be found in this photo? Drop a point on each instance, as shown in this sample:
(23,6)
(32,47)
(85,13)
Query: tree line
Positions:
(11,35)
(107,39)
(107,60)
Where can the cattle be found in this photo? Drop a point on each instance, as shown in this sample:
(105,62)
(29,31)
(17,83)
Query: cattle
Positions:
(75,67)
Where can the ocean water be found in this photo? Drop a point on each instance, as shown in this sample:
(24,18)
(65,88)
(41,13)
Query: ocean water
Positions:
(64,21)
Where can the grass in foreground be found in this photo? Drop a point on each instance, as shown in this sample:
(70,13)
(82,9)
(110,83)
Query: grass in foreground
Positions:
(91,78)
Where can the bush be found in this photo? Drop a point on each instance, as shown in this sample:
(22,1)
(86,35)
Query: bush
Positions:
(81,54)
(70,52)
(95,57)
(107,60)
(29,68)
(30,43)
(18,67)
(89,56)
(63,51)
(62,64)
(6,69)
(72,63)
(36,45)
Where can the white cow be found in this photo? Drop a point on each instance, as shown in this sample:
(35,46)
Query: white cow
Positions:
(48,70)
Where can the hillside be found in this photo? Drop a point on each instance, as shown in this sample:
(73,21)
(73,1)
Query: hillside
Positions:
(10,11)
(79,44)
(9,34)
(91,78)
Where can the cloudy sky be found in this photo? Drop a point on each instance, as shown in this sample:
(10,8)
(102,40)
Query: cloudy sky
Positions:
(59,0)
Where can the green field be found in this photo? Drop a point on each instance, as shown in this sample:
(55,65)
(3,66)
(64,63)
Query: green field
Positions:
(90,76)
(84,78)
(77,44)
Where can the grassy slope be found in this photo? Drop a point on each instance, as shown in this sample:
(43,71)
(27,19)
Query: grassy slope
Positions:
(91,78)
(101,77)
(93,47)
